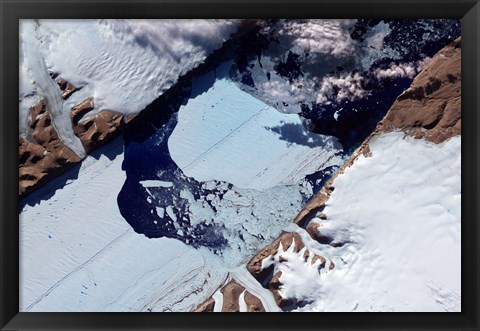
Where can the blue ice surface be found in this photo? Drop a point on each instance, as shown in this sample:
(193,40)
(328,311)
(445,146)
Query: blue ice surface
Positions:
(146,151)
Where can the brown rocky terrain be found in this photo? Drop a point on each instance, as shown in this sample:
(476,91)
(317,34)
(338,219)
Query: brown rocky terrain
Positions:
(231,295)
(43,156)
(94,131)
(206,306)
(232,290)
(254,266)
(430,109)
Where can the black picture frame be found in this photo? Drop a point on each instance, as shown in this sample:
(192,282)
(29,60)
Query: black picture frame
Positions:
(13,10)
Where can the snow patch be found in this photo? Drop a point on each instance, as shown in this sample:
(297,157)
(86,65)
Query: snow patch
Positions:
(171,213)
(401,70)
(320,36)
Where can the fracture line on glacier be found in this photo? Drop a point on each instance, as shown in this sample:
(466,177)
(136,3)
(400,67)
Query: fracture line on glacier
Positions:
(223,139)
(80,267)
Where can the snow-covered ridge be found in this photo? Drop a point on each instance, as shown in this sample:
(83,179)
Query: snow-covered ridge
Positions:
(123,64)
(400,229)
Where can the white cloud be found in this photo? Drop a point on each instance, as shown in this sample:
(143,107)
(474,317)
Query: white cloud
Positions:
(337,89)
(321,36)
(401,70)
(124,64)
(175,38)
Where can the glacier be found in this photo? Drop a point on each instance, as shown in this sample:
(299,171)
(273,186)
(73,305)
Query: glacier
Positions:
(239,171)
(226,134)
(77,253)
(175,212)
(123,64)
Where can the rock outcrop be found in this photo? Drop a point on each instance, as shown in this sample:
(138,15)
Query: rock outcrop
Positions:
(98,129)
(269,276)
(232,292)
(206,306)
(43,156)
(430,109)
(254,266)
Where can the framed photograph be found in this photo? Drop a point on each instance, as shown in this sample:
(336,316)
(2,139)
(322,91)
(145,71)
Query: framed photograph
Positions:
(296,162)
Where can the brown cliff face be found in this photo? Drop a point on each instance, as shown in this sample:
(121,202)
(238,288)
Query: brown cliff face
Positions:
(231,293)
(206,306)
(98,129)
(66,87)
(255,264)
(43,156)
(287,239)
(254,305)
(431,107)
(231,296)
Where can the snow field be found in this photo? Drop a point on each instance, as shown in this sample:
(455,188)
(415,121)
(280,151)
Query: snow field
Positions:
(398,215)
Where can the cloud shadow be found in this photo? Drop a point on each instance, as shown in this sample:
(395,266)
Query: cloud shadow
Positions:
(296,134)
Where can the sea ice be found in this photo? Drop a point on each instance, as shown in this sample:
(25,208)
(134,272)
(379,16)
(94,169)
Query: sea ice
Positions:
(226,134)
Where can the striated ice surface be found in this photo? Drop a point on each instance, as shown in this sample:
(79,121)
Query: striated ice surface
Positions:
(241,172)
(77,253)
(226,134)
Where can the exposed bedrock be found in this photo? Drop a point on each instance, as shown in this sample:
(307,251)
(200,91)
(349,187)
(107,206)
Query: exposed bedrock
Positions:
(43,156)
(265,265)
(430,109)
(234,295)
